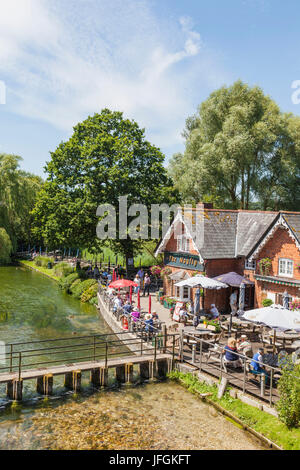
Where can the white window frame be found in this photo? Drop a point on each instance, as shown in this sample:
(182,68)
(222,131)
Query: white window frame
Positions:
(183,243)
(181,291)
(251,265)
(285,261)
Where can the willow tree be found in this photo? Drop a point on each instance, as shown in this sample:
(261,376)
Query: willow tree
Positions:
(239,149)
(107,157)
(18,191)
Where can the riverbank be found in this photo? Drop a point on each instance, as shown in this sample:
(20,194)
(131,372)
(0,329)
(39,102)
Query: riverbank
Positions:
(40,269)
(262,422)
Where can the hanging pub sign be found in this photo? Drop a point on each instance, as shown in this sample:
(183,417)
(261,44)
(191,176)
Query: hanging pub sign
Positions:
(183,260)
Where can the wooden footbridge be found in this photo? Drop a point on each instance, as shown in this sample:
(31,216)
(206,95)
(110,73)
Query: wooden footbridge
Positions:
(70,357)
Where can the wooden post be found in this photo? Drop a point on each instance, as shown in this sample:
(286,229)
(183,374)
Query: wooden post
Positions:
(200,354)
(129,372)
(73,380)
(262,385)
(165,337)
(44,385)
(144,370)
(120,374)
(193,353)
(161,368)
(181,346)
(95,377)
(103,376)
(14,389)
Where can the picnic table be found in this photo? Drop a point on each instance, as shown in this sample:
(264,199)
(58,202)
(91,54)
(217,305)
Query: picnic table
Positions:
(284,337)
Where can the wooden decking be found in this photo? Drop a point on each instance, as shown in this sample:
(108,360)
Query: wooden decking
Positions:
(81,366)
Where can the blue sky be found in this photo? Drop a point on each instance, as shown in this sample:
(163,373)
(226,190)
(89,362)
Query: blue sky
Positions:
(62,60)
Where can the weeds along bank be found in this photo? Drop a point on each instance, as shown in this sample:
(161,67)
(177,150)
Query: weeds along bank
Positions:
(73,281)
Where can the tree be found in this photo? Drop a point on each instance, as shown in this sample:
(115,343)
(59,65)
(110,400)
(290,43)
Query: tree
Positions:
(240,150)
(5,247)
(18,191)
(106,157)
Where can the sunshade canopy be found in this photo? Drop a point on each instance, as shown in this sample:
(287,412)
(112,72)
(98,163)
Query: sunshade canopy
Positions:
(233,279)
(122,283)
(201,281)
(275,316)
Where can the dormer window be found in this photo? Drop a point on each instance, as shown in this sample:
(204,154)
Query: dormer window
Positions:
(182,243)
(286,267)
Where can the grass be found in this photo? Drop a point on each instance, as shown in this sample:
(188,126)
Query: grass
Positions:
(145,258)
(260,421)
(47,272)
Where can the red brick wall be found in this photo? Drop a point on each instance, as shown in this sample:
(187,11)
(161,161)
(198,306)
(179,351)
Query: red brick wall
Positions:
(280,245)
(215,267)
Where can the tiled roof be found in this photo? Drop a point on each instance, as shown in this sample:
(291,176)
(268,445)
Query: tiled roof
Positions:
(293,221)
(229,234)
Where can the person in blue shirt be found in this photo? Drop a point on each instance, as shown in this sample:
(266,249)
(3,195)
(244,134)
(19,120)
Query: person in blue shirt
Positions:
(127,308)
(256,364)
(231,354)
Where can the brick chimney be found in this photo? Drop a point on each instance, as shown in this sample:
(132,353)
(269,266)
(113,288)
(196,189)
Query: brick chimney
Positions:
(205,205)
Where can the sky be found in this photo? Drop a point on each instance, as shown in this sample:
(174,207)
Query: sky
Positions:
(154,60)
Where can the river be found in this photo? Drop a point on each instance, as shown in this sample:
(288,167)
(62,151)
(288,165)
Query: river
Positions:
(150,416)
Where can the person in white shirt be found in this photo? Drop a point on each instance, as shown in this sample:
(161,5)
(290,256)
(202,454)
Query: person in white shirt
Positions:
(214,311)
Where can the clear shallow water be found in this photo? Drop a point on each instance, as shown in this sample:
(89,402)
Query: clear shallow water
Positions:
(33,308)
(152,416)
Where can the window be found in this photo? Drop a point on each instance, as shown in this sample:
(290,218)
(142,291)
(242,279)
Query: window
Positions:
(286,267)
(250,264)
(182,243)
(182,293)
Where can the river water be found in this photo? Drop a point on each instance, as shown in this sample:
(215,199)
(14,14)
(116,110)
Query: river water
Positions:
(149,416)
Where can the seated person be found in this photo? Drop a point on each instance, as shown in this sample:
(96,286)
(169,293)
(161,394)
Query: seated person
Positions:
(117,303)
(230,354)
(148,323)
(155,316)
(214,312)
(256,364)
(244,346)
(127,308)
(183,314)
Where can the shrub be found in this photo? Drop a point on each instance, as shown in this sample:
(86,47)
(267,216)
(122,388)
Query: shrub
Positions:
(66,282)
(78,288)
(89,293)
(43,261)
(62,269)
(74,286)
(288,406)
(94,301)
(267,302)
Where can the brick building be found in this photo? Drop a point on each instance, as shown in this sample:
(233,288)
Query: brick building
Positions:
(218,241)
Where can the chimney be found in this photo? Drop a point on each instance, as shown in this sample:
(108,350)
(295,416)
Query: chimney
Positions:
(205,205)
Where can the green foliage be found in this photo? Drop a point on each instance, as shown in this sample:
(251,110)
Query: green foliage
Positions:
(65,283)
(18,191)
(5,246)
(62,269)
(267,302)
(89,293)
(239,149)
(106,157)
(43,261)
(288,406)
(78,287)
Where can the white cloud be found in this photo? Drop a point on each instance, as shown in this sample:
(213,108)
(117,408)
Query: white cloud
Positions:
(65,59)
